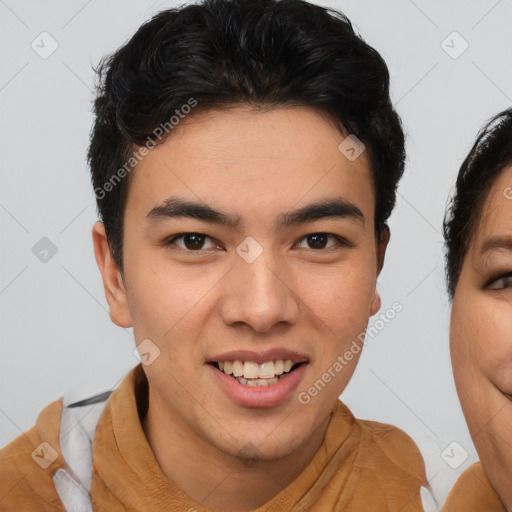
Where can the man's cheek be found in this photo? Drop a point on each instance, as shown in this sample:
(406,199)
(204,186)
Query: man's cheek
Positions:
(328,379)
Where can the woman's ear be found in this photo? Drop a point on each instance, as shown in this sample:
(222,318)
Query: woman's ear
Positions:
(113,283)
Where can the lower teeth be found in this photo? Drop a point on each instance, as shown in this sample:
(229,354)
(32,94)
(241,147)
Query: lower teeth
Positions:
(259,382)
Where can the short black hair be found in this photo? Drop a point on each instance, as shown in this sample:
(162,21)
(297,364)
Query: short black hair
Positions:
(221,53)
(490,154)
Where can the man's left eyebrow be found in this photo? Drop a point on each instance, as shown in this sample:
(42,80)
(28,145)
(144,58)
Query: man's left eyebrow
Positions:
(334,208)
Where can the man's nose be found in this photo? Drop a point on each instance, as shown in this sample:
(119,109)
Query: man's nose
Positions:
(259,294)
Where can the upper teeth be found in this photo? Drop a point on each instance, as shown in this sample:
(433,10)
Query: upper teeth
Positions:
(253,370)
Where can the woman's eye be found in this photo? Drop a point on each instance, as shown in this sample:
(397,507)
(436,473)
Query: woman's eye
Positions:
(192,241)
(320,241)
(502,282)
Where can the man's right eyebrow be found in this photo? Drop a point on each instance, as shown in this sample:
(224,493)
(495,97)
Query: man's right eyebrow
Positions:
(174,207)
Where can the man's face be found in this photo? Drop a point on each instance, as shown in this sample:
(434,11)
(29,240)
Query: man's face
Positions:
(264,286)
(481,336)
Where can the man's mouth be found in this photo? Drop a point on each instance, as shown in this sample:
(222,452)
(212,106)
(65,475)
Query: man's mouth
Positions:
(506,395)
(251,373)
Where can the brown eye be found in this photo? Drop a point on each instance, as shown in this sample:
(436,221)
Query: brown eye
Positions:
(191,241)
(319,241)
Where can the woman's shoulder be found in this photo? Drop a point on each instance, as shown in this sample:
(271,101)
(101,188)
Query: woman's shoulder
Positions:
(473,492)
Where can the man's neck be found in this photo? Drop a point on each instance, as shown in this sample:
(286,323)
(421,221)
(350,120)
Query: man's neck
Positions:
(217,480)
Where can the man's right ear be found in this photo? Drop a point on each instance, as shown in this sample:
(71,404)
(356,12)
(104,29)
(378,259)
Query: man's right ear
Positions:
(112,279)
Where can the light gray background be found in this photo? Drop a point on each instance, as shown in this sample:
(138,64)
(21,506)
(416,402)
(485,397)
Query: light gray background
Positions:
(56,335)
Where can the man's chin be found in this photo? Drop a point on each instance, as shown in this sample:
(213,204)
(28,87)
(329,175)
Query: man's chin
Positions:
(254,453)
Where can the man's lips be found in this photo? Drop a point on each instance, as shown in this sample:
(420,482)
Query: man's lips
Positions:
(260,357)
(259,378)
(262,392)
(506,395)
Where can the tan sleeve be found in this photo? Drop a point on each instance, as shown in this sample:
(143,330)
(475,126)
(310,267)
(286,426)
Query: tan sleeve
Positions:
(473,493)
(28,463)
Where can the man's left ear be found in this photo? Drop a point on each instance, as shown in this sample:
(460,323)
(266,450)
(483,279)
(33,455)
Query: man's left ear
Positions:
(381,253)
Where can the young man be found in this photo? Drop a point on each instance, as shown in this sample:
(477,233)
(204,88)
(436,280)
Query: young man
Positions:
(245,157)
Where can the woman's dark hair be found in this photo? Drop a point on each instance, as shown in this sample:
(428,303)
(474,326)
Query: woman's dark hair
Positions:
(490,154)
(221,53)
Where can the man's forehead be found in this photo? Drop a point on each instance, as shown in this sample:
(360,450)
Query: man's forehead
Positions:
(292,134)
(242,167)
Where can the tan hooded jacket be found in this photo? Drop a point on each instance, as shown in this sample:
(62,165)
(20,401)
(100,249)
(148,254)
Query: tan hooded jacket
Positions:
(361,466)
